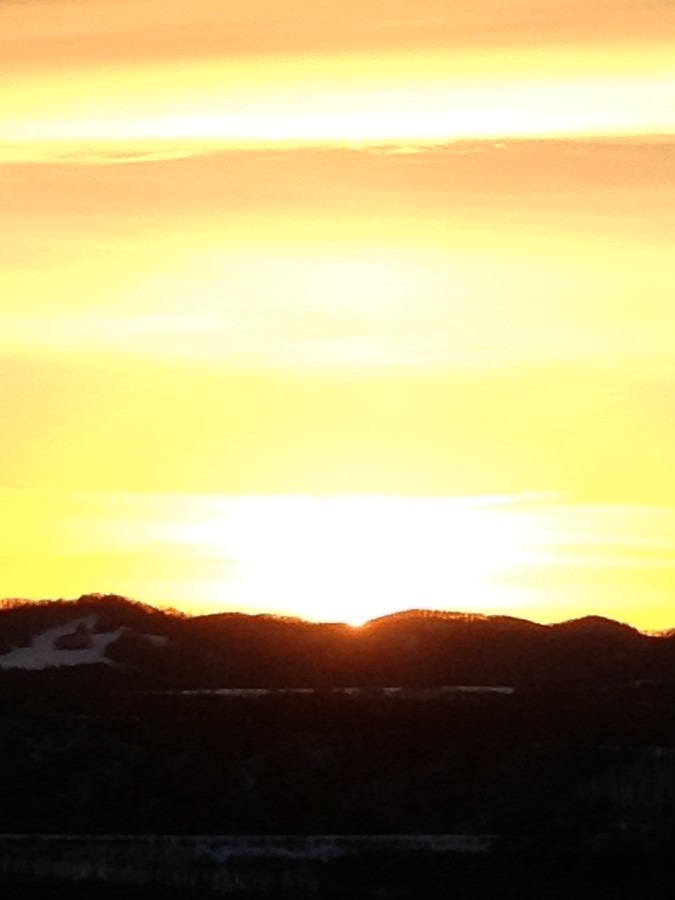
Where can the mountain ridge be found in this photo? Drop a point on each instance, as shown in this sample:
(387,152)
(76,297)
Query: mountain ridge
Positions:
(141,644)
(10,604)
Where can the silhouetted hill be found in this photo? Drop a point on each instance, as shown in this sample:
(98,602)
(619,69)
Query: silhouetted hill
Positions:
(120,719)
(117,640)
(262,651)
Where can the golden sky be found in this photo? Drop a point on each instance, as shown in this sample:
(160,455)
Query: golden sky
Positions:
(335,308)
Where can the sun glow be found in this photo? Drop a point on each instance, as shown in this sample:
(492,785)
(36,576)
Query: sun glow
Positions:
(353,558)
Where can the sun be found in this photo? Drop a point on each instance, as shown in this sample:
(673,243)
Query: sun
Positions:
(353,558)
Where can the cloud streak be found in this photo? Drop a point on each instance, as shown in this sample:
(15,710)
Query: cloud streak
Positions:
(112,99)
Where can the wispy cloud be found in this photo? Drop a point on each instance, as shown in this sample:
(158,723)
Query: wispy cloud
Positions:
(104,154)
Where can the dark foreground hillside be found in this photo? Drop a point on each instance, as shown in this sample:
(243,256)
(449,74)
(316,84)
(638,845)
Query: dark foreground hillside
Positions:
(551,764)
(558,784)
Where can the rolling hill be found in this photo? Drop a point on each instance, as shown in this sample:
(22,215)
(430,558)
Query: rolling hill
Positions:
(120,641)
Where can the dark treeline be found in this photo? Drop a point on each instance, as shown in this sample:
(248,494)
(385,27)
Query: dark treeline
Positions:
(555,763)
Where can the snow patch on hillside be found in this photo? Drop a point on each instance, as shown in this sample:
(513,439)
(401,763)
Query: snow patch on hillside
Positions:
(72,644)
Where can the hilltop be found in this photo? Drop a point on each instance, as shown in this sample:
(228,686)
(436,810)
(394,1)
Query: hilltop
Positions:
(120,641)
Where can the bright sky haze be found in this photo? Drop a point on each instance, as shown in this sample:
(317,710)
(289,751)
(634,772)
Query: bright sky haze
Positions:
(333,308)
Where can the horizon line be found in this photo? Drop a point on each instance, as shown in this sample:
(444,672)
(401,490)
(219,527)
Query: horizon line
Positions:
(8,604)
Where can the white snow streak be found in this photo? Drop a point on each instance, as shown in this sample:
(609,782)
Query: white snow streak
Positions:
(43,653)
